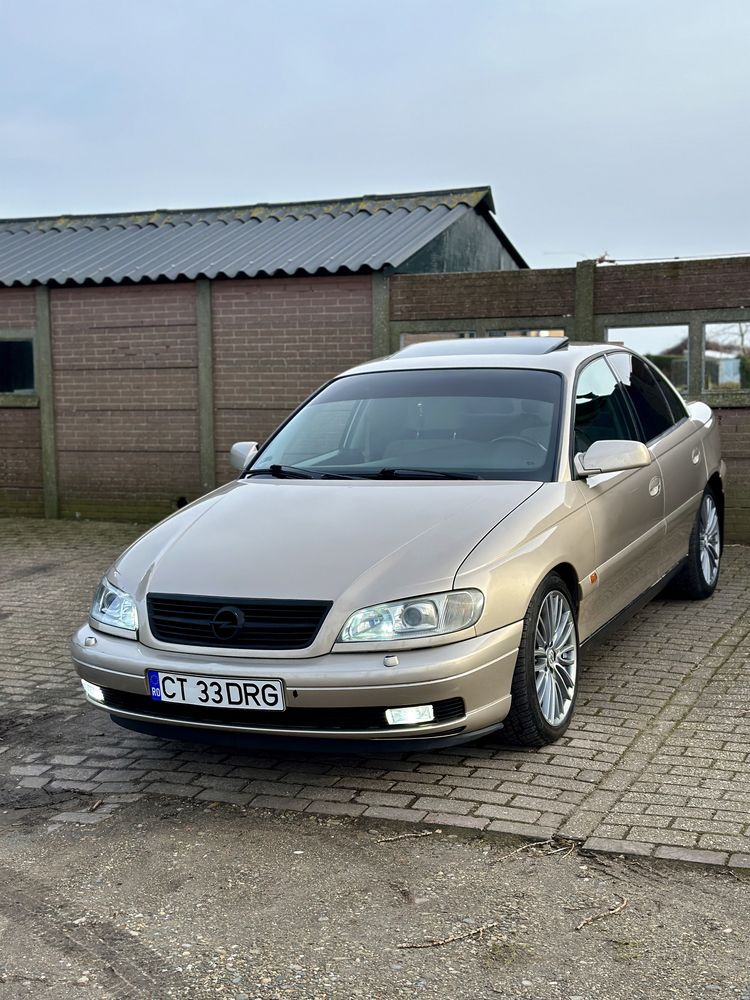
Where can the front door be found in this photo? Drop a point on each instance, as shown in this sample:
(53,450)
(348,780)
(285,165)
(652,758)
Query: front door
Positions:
(626,508)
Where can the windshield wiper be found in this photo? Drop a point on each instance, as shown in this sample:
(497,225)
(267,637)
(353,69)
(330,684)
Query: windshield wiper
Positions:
(293,472)
(402,473)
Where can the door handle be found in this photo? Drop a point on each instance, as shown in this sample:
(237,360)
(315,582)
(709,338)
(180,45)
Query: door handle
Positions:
(654,486)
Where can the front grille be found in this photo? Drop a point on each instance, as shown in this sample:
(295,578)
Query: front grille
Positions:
(331,719)
(235,622)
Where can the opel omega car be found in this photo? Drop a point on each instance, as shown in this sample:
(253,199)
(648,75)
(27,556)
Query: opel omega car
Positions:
(418,554)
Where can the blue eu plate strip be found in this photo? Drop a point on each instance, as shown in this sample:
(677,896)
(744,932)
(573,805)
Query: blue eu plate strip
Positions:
(153,683)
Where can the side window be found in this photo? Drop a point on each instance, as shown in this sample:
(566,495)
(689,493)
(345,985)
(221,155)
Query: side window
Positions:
(640,385)
(601,411)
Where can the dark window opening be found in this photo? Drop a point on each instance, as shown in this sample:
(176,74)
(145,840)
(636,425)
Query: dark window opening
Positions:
(16,366)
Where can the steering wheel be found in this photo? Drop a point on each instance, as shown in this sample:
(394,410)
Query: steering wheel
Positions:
(522,440)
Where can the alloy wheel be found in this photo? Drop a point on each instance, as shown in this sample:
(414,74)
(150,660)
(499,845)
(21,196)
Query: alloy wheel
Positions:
(709,539)
(555,657)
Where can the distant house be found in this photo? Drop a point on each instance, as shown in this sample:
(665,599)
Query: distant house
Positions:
(722,361)
(134,349)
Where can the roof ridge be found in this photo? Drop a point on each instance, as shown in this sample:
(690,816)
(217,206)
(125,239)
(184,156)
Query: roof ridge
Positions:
(472,196)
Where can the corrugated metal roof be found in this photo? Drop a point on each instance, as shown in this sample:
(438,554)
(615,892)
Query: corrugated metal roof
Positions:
(350,235)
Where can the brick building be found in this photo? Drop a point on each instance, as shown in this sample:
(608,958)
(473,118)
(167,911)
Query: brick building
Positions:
(154,341)
(134,349)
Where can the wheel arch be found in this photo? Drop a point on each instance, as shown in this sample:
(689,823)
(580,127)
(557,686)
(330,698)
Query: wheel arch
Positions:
(716,486)
(567,572)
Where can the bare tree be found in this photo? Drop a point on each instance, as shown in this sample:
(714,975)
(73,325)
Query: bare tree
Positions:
(730,335)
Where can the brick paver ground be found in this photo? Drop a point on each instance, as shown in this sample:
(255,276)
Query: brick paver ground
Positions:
(657,761)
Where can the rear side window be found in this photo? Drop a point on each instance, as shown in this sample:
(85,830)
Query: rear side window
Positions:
(675,404)
(601,411)
(640,385)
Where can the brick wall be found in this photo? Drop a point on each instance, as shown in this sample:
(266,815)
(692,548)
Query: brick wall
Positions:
(17,308)
(275,341)
(126,388)
(735,445)
(497,293)
(660,287)
(126,401)
(657,287)
(20,447)
(20,462)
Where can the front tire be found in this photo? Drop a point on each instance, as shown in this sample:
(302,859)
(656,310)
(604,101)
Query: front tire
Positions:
(700,574)
(545,681)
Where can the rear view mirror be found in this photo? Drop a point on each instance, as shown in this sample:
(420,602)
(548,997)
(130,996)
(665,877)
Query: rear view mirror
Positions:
(612,456)
(241,453)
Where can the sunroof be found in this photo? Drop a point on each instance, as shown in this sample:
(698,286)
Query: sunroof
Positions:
(484,345)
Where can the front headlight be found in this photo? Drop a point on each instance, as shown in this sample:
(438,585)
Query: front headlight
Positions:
(435,614)
(114,607)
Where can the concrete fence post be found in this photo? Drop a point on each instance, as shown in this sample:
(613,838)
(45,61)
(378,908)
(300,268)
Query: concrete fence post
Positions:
(206,420)
(381,320)
(584,326)
(45,389)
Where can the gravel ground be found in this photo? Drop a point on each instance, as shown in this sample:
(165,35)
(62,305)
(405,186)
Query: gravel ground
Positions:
(184,899)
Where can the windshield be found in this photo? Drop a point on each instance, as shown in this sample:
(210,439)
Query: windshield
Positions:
(486,423)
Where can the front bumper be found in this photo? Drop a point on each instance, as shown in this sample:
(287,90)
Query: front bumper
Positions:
(477,670)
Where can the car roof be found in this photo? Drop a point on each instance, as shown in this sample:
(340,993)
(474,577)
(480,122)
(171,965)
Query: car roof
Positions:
(483,345)
(476,353)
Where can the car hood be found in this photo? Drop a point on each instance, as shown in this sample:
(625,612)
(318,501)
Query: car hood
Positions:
(354,543)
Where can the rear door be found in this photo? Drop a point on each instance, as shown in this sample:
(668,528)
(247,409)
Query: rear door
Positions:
(626,508)
(674,440)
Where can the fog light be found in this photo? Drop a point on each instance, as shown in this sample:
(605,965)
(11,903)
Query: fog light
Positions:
(93,691)
(409,716)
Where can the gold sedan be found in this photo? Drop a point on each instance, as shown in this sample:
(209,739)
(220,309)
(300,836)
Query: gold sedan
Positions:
(417,555)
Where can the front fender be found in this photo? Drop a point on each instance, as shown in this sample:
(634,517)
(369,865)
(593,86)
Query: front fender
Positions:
(552,528)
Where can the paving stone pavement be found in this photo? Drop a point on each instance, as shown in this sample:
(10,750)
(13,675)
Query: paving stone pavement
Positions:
(657,761)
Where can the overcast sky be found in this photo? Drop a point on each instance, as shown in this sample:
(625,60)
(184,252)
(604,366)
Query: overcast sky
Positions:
(601,126)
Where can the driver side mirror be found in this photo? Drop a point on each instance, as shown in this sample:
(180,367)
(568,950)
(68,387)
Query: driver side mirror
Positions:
(612,456)
(241,453)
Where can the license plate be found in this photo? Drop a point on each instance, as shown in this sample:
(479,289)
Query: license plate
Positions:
(257,694)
